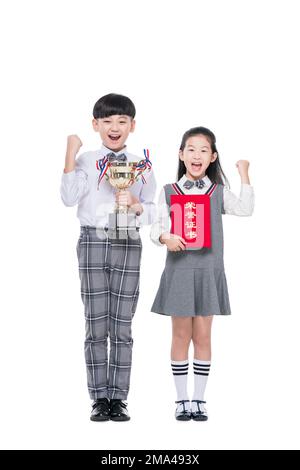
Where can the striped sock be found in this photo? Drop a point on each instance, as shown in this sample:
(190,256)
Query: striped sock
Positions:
(180,373)
(201,371)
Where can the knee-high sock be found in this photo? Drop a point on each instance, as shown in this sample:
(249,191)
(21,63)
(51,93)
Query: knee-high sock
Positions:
(180,373)
(201,371)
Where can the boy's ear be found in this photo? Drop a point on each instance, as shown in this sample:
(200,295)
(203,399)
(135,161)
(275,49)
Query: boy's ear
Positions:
(95,124)
(132,125)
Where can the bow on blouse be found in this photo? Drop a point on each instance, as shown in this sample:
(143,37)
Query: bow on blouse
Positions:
(198,183)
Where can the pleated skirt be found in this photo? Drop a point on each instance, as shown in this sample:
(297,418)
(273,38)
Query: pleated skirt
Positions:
(191,292)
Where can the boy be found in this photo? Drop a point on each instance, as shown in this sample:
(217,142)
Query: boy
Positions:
(108,267)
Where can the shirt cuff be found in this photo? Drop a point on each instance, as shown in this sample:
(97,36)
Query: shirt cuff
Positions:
(157,242)
(247,188)
(155,233)
(147,216)
(69,176)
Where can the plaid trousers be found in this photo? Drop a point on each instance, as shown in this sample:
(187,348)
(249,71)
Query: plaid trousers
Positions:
(109,271)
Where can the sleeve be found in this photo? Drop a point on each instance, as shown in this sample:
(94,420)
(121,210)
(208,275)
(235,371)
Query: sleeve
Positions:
(161,222)
(241,206)
(146,197)
(74,185)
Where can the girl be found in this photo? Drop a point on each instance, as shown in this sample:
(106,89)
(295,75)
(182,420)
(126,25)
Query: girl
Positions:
(193,285)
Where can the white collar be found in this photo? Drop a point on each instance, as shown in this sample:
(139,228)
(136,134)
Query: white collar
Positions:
(183,179)
(105,150)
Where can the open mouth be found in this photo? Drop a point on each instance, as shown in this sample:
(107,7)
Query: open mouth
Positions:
(197,166)
(114,138)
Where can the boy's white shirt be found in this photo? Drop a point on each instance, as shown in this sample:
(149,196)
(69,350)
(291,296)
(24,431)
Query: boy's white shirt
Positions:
(94,205)
(233,205)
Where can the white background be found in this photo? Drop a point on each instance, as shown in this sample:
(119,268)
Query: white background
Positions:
(231,66)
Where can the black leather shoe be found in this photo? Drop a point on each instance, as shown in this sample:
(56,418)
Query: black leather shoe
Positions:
(201,413)
(118,411)
(100,411)
(184,415)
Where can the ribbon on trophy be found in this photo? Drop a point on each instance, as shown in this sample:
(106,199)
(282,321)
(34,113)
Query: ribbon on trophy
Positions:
(144,165)
(102,164)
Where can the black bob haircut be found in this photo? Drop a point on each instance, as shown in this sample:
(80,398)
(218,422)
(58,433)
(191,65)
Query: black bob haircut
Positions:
(112,104)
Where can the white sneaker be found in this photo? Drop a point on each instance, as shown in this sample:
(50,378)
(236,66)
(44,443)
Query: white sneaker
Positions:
(199,412)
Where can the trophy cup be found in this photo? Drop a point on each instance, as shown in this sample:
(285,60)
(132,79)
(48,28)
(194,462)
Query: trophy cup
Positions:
(121,176)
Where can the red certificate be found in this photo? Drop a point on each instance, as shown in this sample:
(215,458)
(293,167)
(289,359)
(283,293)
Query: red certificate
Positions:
(190,219)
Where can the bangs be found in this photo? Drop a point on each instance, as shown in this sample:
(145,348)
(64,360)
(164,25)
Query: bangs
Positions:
(114,104)
(113,109)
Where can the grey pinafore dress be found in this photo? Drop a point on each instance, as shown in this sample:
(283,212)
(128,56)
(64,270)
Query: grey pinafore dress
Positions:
(193,282)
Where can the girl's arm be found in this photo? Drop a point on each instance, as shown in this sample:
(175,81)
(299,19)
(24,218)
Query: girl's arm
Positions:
(244,204)
(160,230)
(161,222)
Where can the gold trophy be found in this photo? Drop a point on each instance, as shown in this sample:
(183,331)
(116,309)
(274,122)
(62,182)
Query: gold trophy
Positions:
(121,175)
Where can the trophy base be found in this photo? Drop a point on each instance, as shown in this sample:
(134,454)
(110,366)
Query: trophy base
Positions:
(122,226)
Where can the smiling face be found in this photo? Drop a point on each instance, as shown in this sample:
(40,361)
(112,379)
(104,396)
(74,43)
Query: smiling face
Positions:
(114,130)
(197,156)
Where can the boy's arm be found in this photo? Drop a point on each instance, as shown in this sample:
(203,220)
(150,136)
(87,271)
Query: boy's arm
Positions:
(146,200)
(73,146)
(74,182)
(244,204)
(144,206)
